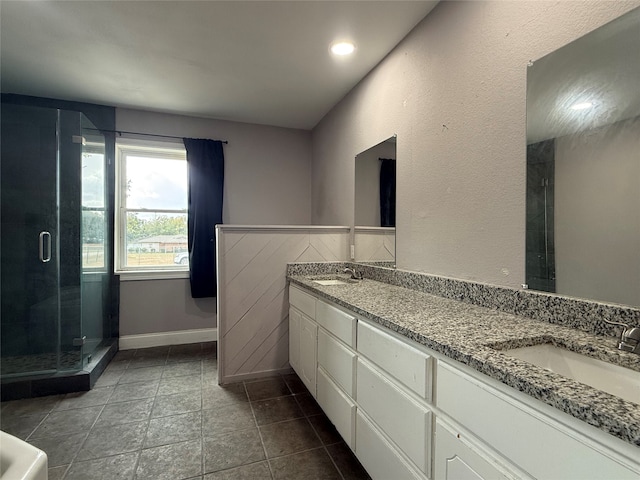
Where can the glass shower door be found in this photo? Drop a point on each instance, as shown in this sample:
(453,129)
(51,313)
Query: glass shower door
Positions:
(30,227)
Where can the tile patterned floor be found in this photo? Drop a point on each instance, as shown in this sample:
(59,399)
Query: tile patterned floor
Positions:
(159,414)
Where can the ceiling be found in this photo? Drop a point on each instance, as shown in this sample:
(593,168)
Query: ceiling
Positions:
(265,62)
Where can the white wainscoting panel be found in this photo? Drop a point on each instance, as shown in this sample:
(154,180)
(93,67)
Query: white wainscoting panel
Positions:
(375,244)
(253,304)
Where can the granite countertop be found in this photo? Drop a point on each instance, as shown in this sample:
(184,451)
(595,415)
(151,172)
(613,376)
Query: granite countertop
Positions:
(474,335)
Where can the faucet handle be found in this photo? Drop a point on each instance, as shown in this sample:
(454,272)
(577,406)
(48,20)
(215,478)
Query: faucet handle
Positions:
(630,340)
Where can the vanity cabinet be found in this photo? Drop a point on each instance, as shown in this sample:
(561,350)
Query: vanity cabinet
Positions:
(411,413)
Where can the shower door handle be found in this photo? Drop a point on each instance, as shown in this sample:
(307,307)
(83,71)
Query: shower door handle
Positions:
(45,238)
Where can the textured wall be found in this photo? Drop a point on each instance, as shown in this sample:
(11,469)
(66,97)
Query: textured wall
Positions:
(454,92)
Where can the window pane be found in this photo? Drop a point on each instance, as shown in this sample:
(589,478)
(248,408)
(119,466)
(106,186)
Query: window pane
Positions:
(155,239)
(156,183)
(93,180)
(94,226)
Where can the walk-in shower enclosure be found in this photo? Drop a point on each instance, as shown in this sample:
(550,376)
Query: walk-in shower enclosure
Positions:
(55,251)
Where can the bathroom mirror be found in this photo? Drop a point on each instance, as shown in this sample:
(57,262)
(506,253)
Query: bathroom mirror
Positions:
(583,166)
(375,204)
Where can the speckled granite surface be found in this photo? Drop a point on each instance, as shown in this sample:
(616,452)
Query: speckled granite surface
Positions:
(467,333)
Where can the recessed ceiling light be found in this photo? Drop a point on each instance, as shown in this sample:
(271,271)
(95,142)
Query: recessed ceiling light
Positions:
(342,48)
(582,106)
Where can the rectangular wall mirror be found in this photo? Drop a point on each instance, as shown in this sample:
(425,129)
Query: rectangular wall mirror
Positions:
(583,166)
(375,205)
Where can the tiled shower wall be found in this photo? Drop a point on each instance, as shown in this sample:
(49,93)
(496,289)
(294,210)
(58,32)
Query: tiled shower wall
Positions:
(253,301)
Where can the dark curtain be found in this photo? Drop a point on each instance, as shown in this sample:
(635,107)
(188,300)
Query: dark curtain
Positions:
(387,193)
(205,167)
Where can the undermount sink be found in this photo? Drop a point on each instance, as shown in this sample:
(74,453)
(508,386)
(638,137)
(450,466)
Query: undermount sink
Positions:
(332,281)
(619,381)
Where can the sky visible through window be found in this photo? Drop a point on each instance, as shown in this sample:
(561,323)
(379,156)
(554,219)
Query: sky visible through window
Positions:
(156,183)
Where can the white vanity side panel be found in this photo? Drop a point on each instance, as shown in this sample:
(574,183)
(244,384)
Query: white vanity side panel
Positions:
(302,301)
(308,353)
(341,324)
(378,456)
(410,366)
(338,361)
(339,408)
(406,422)
(294,338)
(527,438)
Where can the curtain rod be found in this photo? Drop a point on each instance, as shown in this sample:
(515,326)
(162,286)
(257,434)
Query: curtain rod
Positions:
(120,132)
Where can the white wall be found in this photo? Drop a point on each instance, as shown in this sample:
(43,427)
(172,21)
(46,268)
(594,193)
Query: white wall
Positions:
(454,91)
(259,162)
(597,213)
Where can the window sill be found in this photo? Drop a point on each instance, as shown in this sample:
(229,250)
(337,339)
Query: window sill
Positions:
(134,275)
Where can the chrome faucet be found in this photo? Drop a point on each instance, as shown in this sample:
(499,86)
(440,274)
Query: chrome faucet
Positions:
(629,338)
(353,273)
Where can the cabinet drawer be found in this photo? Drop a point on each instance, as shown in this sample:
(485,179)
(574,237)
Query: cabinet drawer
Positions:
(338,407)
(338,361)
(339,323)
(410,366)
(522,434)
(302,301)
(404,421)
(378,456)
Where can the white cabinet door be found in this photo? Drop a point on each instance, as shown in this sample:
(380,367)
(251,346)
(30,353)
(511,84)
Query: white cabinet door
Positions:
(339,408)
(402,419)
(458,459)
(381,460)
(294,339)
(338,361)
(308,353)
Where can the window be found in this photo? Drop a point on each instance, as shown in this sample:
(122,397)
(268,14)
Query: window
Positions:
(152,208)
(94,218)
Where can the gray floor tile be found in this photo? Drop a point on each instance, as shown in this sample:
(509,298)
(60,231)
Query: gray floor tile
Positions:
(254,471)
(325,429)
(152,352)
(141,375)
(57,473)
(125,412)
(223,395)
(171,462)
(97,396)
(134,391)
(308,404)
(111,377)
(294,383)
(106,441)
(310,465)
(60,450)
(276,410)
(185,353)
(228,450)
(174,429)
(181,369)
(269,388)
(66,422)
(228,418)
(173,385)
(20,426)
(347,463)
(166,405)
(119,467)
(147,362)
(30,406)
(289,437)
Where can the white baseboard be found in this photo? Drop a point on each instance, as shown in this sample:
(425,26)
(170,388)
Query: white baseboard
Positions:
(180,337)
(243,377)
